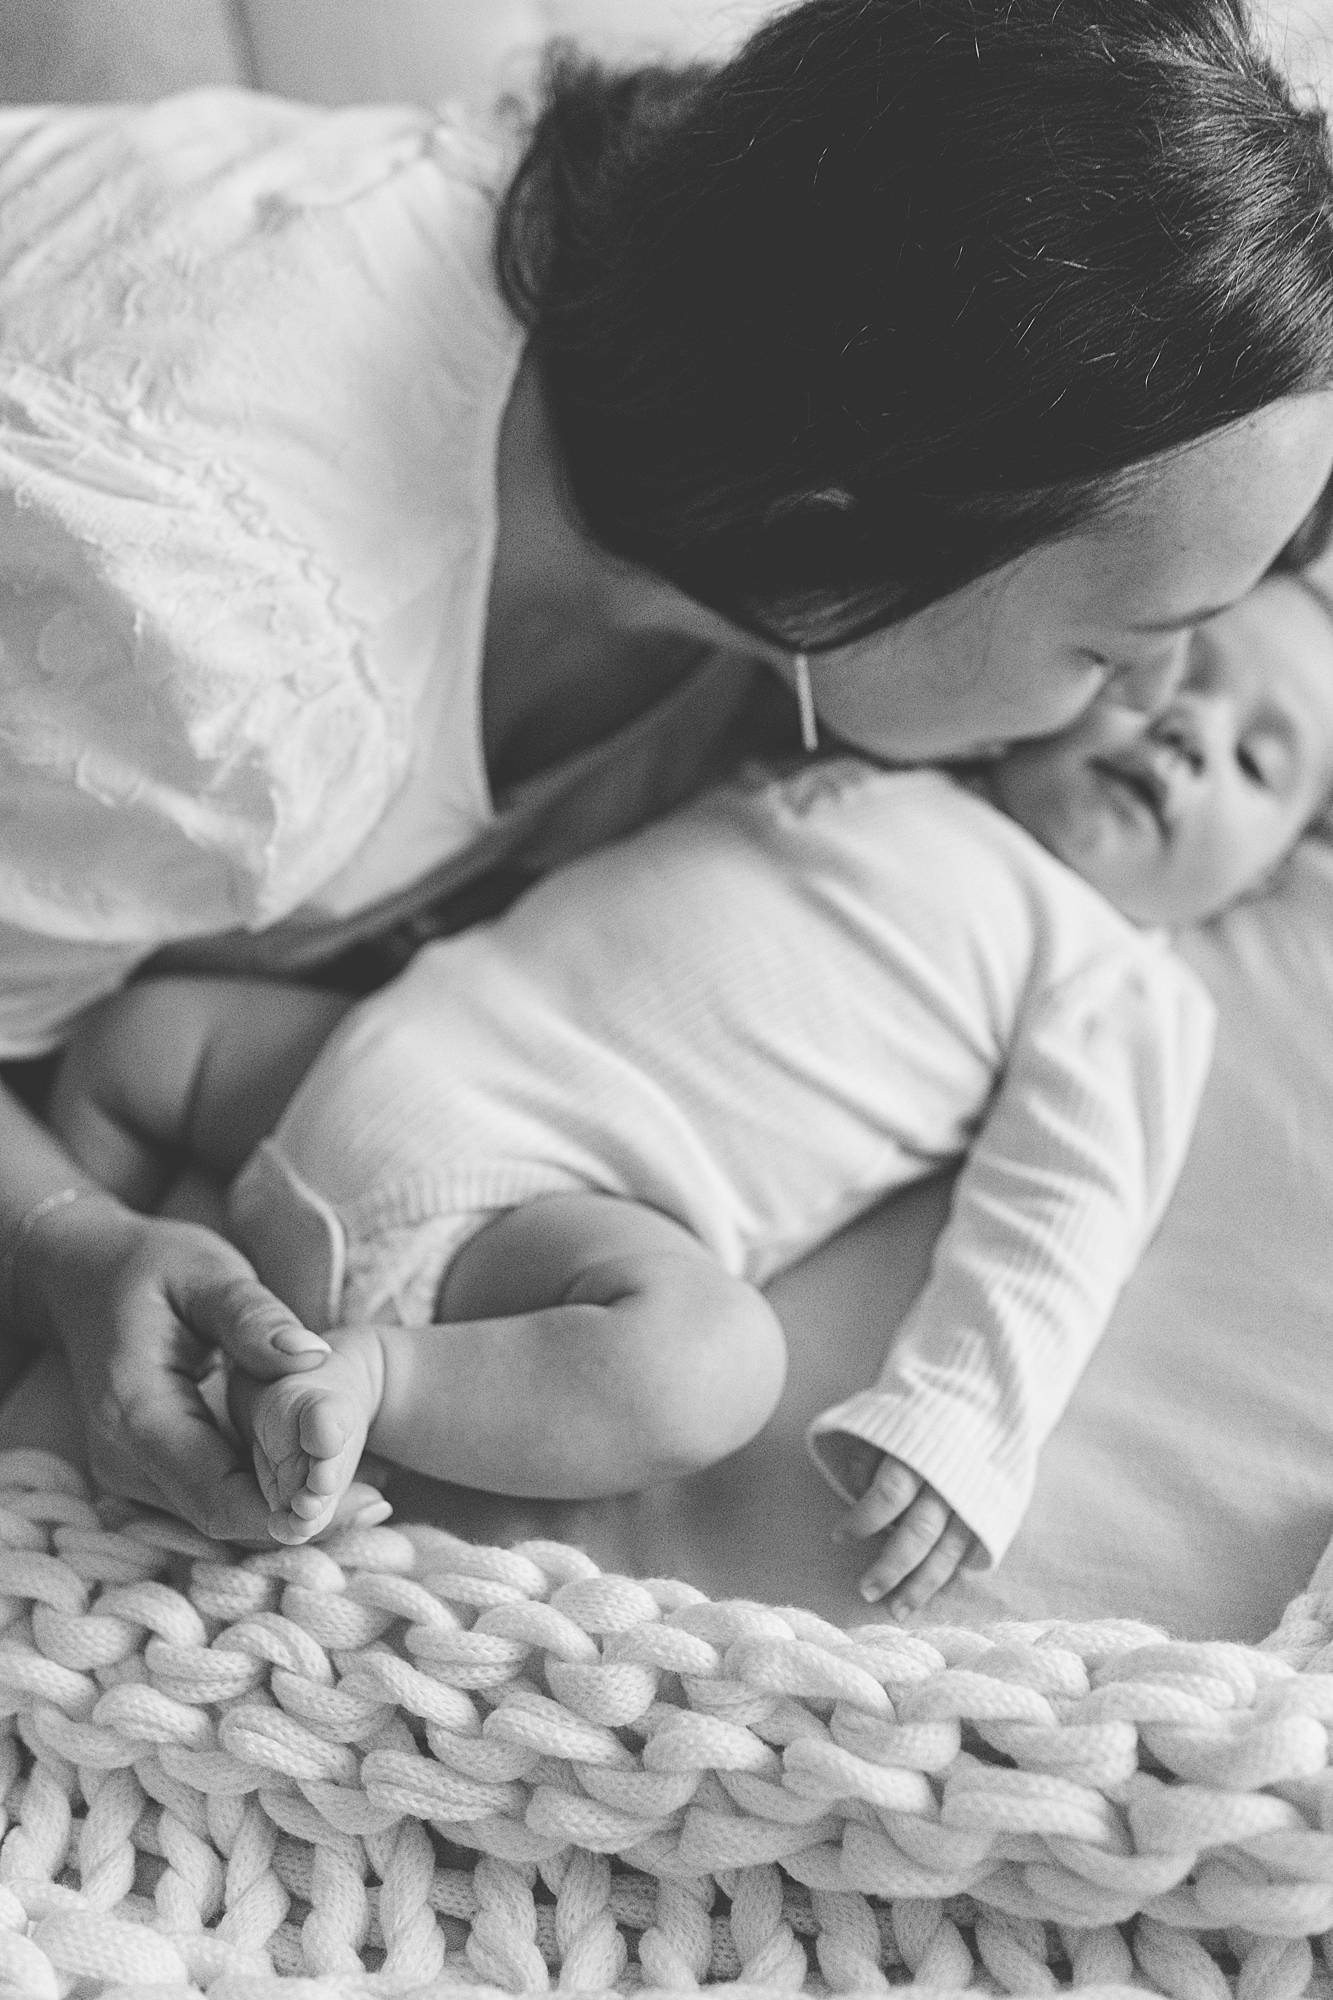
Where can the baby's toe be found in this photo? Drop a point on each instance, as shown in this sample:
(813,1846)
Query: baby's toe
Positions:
(306,1515)
(286,1528)
(325,1426)
(326,1477)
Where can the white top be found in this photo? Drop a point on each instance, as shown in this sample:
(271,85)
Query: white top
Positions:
(253,371)
(760,1017)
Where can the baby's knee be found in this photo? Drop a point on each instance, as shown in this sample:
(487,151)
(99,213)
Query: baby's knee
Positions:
(713,1383)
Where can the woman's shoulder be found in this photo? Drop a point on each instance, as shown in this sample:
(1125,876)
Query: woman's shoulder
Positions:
(135,205)
(246,463)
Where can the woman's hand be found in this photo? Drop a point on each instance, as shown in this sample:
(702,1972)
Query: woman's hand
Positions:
(925,1542)
(138,1304)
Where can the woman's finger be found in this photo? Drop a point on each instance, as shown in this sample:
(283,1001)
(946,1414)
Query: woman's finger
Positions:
(204,1480)
(234,1311)
(195,1471)
(889,1493)
(361,1506)
(124,1472)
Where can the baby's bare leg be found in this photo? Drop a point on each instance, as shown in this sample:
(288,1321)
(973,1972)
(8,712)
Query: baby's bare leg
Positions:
(586,1346)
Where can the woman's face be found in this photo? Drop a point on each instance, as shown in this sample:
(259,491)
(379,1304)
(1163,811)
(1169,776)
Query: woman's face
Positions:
(1107,610)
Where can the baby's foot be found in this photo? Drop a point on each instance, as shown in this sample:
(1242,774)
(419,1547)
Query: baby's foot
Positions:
(307,1432)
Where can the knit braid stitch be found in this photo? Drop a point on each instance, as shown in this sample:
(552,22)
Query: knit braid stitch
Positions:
(400,1764)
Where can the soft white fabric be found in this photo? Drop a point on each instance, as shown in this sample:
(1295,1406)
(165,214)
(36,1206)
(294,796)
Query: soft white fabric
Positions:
(1188,1482)
(253,371)
(759,1017)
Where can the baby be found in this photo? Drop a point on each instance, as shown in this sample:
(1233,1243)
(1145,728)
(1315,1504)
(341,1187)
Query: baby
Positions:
(529,1190)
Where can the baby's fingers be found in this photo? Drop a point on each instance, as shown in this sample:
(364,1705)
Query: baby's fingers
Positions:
(892,1490)
(934,1571)
(912,1540)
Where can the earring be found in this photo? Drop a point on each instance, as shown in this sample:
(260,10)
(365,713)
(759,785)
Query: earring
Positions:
(805,704)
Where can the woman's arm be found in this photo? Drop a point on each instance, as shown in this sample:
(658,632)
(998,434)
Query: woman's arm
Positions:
(137,1303)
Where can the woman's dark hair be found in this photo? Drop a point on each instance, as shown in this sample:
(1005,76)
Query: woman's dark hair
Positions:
(897,291)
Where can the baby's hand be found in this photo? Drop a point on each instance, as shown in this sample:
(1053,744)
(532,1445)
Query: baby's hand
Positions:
(925,1543)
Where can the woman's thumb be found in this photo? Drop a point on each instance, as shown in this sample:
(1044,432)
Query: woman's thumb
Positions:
(251,1325)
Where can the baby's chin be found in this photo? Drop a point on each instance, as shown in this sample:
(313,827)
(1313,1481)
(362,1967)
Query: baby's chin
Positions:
(1107,843)
(1096,853)
(1084,837)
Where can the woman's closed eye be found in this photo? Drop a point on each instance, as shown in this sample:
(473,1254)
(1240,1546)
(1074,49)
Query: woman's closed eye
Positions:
(1311,540)
(1144,677)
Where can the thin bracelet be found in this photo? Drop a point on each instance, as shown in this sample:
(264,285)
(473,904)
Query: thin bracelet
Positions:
(22,1230)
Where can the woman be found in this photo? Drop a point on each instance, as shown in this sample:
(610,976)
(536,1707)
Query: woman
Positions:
(948,359)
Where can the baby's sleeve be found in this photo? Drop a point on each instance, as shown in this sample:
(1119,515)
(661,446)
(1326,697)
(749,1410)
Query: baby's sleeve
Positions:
(1066,1181)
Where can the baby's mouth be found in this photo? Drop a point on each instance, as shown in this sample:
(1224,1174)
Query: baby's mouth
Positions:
(1141,782)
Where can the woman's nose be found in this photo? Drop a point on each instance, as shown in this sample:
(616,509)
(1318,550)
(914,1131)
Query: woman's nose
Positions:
(1150,684)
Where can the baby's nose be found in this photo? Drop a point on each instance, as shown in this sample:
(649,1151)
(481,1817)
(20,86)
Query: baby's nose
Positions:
(1171,752)
(1188,731)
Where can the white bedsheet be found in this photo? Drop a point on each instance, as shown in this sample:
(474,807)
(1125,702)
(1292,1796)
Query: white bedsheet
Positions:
(1190,1482)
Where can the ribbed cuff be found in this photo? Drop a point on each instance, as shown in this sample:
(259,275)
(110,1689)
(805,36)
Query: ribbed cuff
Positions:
(947,1444)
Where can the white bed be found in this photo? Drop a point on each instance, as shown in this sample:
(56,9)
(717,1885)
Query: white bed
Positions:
(1191,1481)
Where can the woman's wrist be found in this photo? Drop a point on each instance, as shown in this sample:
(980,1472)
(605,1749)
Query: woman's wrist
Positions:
(21,1244)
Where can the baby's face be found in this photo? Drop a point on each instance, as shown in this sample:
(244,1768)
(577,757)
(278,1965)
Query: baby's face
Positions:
(1173,816)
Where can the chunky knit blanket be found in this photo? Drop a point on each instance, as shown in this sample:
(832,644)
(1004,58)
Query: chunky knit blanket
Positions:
(401,1764)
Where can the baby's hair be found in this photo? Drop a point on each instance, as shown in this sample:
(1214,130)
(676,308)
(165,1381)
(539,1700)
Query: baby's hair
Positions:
(906,287)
